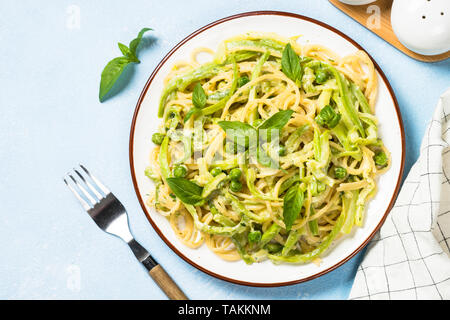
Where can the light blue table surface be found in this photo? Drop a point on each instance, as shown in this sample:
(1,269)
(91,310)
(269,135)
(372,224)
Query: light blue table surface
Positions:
(50,120)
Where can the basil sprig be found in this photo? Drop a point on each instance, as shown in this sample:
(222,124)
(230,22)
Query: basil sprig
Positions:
(198,100)
(199,96)
(292,205)
(290,65)
(241,133)
(116,66)
(187,191)
(242,129)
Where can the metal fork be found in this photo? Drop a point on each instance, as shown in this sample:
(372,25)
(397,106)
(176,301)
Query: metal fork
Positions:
(110,215)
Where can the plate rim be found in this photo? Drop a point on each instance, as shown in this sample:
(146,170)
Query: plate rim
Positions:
(144,92)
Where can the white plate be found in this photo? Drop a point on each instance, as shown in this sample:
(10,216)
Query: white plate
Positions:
(145,123)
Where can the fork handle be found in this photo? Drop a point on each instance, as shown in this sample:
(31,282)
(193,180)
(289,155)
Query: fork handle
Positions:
(162,279)
(166,283)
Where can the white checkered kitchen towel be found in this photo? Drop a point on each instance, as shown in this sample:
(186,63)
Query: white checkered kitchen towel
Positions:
(409,256)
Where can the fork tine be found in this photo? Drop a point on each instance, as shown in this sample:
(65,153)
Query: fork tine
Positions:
(84,204)
(99,184)
(90,198)
(94,191)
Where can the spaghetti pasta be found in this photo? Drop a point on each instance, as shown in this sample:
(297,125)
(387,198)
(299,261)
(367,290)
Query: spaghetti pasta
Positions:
(270,151)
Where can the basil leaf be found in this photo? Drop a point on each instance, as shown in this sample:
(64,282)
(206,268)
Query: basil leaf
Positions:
(235,125)
(127,53)
(187,191)
(110,74)
(199,96)
(116,66)
(290,64)
(277,121)
(239,132)
(242,133)
(124,49)
(292,204)
(270,129)
(135,42)
(289,182)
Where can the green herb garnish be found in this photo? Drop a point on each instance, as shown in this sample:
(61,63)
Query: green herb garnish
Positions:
(198,100)
(290,64)
(187,191)
(292,204)
(116,66)
(199,96)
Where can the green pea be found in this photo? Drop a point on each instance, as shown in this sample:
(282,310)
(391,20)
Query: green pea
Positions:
(235,186)
(235,174)
(282,151)
(180,171)
(340,172)
(381,158)
(216,171)
(157,138)
(242,81)
(321,76)
(254,237)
